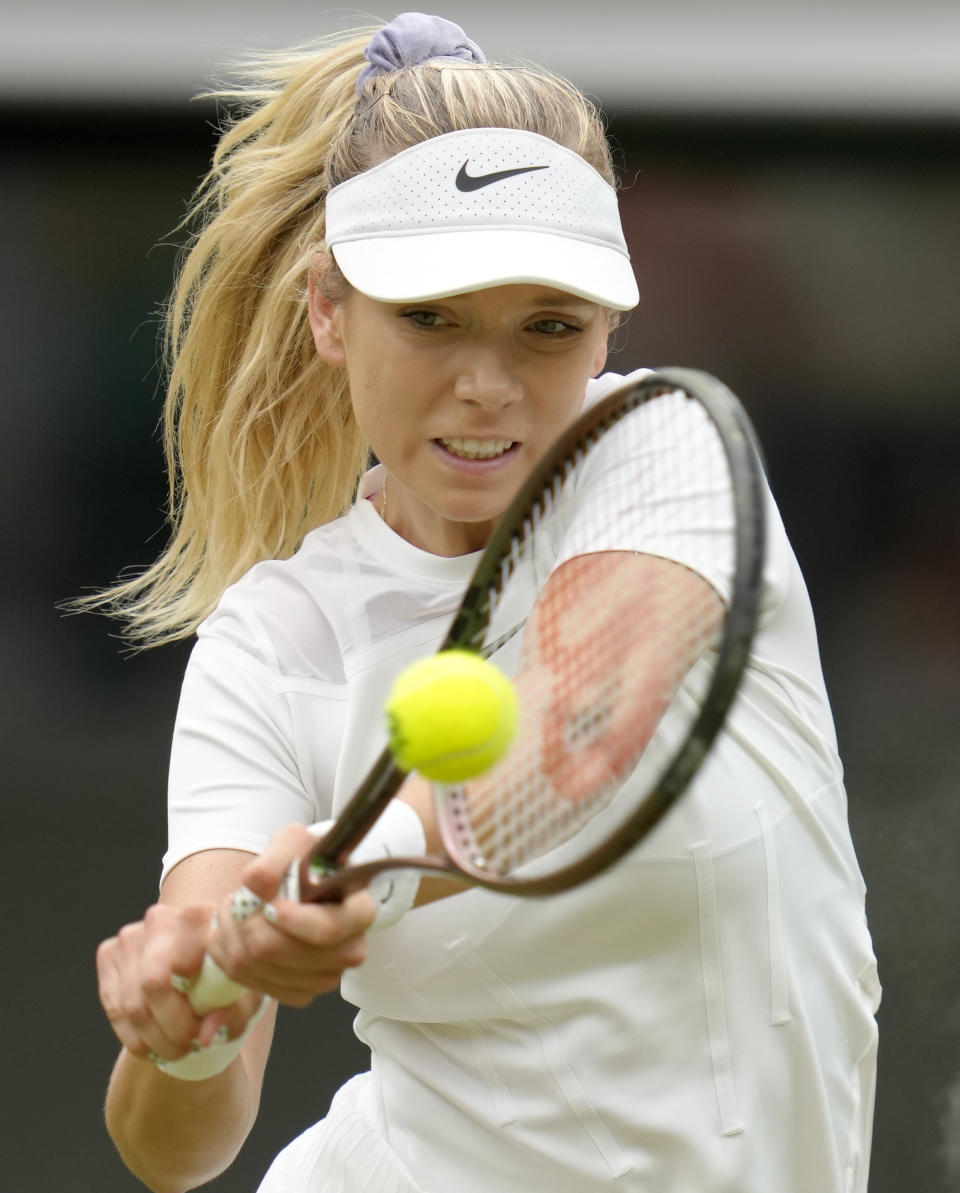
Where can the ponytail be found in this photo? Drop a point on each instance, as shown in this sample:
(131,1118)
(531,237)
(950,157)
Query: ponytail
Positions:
(260,440)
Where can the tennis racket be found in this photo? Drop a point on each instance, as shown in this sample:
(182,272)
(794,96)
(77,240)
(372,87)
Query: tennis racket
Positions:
(622,585)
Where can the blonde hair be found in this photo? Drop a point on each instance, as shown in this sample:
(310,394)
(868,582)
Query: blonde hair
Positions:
(260,438)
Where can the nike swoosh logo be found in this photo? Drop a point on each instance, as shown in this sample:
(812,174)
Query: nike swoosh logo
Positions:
(467,182)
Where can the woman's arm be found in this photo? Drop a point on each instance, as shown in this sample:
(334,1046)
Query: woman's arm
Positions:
(175,1135)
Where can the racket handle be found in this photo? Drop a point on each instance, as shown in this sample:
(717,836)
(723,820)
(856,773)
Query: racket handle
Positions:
(399,833)
(208,1062)
(213,989)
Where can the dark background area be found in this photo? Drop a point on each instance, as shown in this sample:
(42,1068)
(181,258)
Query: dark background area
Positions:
(811,264)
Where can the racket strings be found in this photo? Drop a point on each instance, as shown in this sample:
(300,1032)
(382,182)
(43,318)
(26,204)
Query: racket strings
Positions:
(612,636)
(588,706)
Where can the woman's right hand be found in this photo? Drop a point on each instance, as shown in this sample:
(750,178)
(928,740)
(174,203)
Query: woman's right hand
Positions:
(292,953)
(138,972)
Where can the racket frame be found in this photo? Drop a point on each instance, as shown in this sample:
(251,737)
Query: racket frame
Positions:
(319,876)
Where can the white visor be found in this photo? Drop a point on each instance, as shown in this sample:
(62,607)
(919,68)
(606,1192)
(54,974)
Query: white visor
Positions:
(479,208)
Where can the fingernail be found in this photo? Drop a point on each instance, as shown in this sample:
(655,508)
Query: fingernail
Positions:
(244,904)
(180,983)
(269,913)
(222,1035)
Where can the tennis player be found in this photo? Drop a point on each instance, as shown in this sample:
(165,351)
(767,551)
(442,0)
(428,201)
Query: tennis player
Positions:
(407,249)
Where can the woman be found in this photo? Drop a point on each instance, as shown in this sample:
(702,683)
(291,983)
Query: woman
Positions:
(407,249)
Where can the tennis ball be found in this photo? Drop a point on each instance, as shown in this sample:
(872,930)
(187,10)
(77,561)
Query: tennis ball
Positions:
(451,716)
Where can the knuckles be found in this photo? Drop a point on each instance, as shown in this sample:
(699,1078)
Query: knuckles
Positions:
(105,953)
(242,954)
(157,916)
(155,980)
(136,1012)
(129,935)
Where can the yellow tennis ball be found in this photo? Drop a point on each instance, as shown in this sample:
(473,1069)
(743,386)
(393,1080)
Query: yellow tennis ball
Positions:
(451,716)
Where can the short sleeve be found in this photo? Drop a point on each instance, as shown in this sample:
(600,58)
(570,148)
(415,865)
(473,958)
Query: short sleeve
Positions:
(657,483)
(234,777)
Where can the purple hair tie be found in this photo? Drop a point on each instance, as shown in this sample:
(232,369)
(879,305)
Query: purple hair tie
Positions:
(412,38)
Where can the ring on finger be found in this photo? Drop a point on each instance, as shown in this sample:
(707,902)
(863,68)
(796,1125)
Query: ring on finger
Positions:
(244,904)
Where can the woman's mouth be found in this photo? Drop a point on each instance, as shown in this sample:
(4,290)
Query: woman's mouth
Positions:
(477,449)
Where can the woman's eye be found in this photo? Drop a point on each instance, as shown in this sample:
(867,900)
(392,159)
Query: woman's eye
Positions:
(553,327)
(425,318)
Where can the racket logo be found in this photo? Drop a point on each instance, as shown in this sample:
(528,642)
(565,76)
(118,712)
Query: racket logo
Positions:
(474,182)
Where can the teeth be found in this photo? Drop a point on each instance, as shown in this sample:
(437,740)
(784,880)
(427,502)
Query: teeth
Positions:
(477,449)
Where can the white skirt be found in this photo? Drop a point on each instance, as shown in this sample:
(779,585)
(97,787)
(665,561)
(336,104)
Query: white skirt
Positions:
(346,1152)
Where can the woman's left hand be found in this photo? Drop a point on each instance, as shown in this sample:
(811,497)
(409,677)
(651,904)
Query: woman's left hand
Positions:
(288,950)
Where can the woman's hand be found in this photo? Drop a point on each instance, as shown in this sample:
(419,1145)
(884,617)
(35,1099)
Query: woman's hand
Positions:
(291,951)
(138,977)
(287,950)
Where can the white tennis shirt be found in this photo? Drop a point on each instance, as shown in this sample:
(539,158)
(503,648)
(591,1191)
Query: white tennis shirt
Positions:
(700,1018)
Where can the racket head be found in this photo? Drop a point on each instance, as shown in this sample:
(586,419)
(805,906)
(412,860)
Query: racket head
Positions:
(562,822)
(582,841)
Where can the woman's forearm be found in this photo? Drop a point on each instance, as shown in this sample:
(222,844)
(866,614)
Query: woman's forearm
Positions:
(175,1135)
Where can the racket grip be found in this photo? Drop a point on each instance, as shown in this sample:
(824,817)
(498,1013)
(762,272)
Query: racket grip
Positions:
(213,988)
(208,1062)
(398,832)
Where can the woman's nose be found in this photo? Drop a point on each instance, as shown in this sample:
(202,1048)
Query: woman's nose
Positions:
(489,382)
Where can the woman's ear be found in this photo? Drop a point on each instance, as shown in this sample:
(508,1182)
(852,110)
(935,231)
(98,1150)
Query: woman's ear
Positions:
(601,357)
(325,316)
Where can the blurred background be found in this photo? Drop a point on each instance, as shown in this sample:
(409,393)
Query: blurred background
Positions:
(792,201)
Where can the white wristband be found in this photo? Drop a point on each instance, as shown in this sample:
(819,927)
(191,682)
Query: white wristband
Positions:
(398,833)
(209,1061)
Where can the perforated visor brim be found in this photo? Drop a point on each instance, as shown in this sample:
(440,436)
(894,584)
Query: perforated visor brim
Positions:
(431,265)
